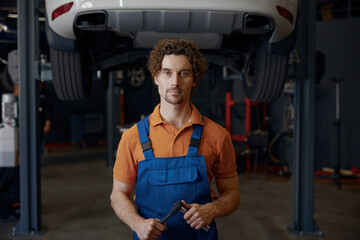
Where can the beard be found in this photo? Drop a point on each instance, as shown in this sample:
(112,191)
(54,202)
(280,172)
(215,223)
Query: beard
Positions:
(174,98)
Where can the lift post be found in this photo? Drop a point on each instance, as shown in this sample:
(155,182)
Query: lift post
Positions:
(304,133)
(30,202)
(110,121)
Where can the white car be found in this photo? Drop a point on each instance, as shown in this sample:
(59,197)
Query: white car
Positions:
(252,37)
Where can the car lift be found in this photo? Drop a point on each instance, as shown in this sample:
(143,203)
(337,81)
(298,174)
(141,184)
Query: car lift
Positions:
(303,174)
(30,200)
(304,125)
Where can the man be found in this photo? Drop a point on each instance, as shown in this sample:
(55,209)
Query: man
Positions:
(173,154)
(45,110)
(45,114)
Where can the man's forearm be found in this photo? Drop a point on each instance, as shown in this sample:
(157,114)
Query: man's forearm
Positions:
(226,203)
(125,209)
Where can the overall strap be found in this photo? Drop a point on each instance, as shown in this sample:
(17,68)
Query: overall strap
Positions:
(195,138)
(143,129)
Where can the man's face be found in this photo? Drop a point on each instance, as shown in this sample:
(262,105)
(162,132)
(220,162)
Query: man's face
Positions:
(175,79)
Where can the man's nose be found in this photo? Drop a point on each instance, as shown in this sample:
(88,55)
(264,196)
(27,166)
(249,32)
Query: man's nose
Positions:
(175,78)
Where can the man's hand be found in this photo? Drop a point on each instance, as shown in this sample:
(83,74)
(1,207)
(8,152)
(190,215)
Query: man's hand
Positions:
(149,229)
(47,127)
(125,210)
(199,216)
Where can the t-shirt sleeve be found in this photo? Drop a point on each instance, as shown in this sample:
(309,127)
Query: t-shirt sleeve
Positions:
(225,167)
(125,168)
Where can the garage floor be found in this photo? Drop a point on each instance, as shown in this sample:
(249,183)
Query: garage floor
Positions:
(76,185)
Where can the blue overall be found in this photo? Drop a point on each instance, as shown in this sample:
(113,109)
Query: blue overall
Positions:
(163,181)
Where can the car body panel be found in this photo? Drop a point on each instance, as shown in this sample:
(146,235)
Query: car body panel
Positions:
(64,24)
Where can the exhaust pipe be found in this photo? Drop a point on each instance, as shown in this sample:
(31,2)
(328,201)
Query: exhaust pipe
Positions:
(91,20)
(257,24)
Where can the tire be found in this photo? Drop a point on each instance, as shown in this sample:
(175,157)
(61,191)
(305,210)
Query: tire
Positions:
(71,75)
(265,75)
(136,76)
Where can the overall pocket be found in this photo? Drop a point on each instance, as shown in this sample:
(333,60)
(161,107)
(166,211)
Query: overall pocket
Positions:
(171,185)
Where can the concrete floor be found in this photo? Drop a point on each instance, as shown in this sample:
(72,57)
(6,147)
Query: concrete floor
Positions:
(76,185)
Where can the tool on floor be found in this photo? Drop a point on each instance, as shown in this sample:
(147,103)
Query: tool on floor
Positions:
(179,207)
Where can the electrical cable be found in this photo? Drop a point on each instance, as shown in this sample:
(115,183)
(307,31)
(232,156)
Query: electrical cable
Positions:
(285,119)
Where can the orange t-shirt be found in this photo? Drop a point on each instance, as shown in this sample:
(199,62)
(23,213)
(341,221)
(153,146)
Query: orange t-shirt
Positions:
(167,141)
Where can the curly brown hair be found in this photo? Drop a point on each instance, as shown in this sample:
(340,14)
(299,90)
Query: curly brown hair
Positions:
(177,47)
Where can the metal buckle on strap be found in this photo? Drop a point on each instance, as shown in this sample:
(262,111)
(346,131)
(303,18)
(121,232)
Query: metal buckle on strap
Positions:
(195,142)
(146,146)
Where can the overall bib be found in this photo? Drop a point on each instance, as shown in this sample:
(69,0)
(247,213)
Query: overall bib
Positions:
(163,181)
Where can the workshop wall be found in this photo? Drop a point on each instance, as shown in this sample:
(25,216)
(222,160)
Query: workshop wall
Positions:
(339,41)
(140,92)
(209,94)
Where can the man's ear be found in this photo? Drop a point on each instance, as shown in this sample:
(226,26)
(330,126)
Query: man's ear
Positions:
(194,84)
(156,81)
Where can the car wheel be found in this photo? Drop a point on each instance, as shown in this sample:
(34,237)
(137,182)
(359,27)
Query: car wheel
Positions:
(265,75)
(71,75)
(136,76)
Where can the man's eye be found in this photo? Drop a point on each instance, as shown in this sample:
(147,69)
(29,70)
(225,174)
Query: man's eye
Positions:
(168,73)
(184,74)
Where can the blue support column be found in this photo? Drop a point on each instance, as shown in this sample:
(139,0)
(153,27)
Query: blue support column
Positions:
(30,219)
(304,134)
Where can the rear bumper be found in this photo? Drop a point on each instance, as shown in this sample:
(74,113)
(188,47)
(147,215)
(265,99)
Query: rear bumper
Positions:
(58,42)
(150,25)
(191,23)
(174,21)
